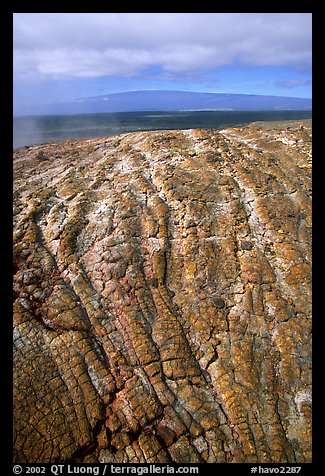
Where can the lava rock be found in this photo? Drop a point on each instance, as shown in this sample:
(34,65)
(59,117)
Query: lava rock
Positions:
(112,366)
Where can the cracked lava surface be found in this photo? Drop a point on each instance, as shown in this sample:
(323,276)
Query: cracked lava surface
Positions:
(162,297)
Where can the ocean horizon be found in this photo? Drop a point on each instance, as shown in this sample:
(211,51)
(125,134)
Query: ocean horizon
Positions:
(32,130)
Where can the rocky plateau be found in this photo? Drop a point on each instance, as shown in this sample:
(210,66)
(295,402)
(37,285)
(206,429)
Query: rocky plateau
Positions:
(162,297)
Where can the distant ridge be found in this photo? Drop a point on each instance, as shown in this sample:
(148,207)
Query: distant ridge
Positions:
(176,100)
(157,100)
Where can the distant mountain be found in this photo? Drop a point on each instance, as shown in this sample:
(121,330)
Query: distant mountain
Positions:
(180,100)
(175,101)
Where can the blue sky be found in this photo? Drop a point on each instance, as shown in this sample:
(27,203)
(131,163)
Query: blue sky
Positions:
(59,57)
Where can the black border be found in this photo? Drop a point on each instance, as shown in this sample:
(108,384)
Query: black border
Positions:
(6,29)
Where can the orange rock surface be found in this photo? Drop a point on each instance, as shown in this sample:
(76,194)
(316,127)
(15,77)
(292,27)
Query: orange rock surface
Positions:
(162,297)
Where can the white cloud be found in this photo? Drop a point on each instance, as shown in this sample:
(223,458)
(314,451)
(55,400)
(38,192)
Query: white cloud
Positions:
(111,44)
(81,63)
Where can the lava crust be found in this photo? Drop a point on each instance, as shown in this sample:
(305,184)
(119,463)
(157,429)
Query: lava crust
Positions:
(162,297)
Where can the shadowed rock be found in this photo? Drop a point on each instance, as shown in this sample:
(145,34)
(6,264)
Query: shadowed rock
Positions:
(162,297)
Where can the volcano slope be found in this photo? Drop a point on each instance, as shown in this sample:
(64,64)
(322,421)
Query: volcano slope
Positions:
(162,297)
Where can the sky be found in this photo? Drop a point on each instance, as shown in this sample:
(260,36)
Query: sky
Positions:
(61,57)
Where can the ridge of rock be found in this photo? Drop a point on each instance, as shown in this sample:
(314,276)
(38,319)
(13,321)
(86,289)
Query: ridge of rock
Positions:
(162,297)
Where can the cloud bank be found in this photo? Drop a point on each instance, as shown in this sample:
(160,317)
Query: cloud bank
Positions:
(74,45)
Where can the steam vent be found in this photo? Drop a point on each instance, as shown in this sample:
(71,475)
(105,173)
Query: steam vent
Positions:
(162,297)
